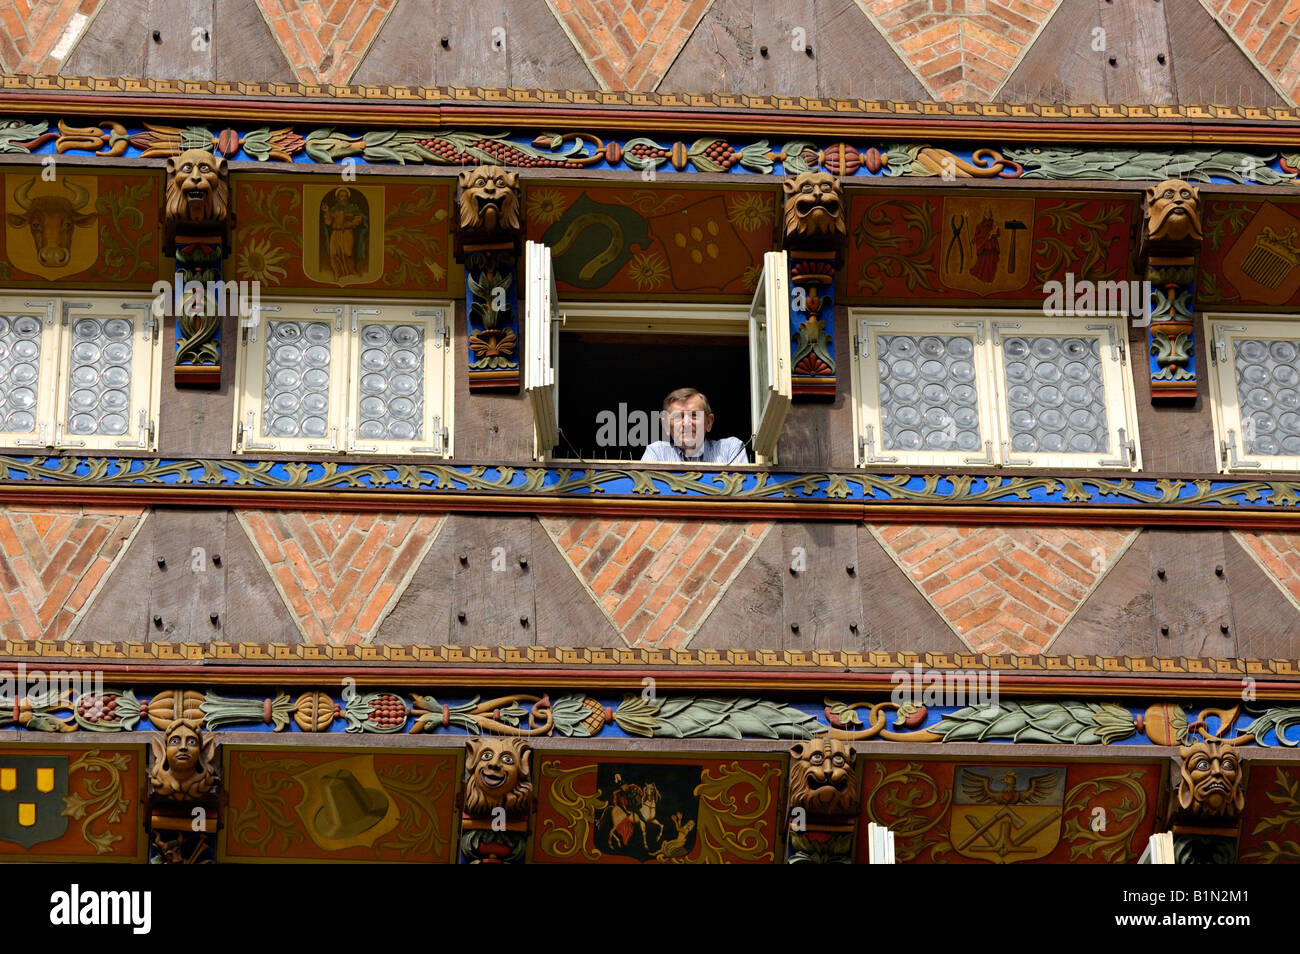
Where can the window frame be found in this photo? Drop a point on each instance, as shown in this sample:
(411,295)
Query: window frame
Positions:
(1221,330)
(346,318)
(986,328)
(58,315)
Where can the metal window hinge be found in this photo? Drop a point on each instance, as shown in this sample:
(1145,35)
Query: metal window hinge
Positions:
(40,437)
(986,459)
(337,310)
(860,339)
(352,440)
(246,434)
(362,311)
(146,434)
(867,449)
(332,446)
(441,330)
(148,322)
(1229,450)
(1128,451)
(439,439)
(979,339)
(1220,353)
(58,437)
(47,304)
(72,304)
(252,319)
(1115,343)
(997,329)
(1010,461)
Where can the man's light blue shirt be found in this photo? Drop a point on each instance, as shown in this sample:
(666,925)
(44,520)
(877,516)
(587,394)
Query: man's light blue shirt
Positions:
(729,450)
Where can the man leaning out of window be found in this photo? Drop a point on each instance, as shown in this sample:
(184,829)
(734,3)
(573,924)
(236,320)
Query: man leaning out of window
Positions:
(687,420)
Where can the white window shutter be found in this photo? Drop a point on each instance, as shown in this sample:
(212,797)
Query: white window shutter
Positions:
(769,355)
(541,345)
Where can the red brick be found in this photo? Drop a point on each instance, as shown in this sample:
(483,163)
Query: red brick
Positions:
(631,604)
(634,540)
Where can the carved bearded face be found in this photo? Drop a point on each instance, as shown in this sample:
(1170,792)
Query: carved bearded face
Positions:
(822,777)
(1210,787)
(489,201)
(1174,212)
(814,210)
(198,192)
(498,774)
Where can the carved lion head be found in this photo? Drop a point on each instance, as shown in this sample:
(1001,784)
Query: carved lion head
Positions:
(822,779)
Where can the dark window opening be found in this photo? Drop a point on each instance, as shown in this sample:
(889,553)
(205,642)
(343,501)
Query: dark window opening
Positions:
(612,387)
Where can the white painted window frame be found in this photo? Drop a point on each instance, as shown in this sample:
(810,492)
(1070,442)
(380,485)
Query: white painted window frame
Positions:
(1222,331)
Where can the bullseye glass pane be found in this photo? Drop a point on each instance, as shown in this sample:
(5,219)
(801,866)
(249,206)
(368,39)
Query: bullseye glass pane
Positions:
(99,369)
(928,396)
(296,393)
(391,403)
(1056,397)
(20,366)
(1268,395)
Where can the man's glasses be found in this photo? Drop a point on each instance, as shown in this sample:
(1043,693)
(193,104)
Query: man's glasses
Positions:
(693,417)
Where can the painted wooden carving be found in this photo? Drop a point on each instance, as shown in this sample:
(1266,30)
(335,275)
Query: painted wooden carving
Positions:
(198,195)
(824,796)
(814,231)
(489,235)
(1210,790)
(184,762)
(489,207)
(1171,238)
(814,215)
(498,798)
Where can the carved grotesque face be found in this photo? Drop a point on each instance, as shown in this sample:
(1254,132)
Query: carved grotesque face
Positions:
(1211,781)
(814,210)
(1174,212)
(489,201)
(183,747)
(498,774)
(197,189)
(821,777)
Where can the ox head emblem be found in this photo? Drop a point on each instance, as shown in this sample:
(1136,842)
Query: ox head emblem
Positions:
(51,219)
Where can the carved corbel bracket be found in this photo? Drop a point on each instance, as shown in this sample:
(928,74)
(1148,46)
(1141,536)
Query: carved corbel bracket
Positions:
(824,797)
(814,231)
(488,237)
(498,799)
(1170,241)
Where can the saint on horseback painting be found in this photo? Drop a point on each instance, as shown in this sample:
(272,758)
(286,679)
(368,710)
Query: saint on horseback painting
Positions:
(649,811)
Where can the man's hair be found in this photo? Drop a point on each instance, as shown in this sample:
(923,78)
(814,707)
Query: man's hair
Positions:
(685,394)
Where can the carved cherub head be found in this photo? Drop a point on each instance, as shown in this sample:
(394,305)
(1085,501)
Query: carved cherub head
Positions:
(814,211)
(489,203)
(822,777)
(184,762)
(1210,788)
(498,774)
(1173,210)
(198,191)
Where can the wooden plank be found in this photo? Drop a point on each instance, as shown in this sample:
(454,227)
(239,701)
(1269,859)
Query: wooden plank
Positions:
(117,612)
(489,426)
(784,71)
(539,53)
(1117,619)
(255,611)
(1176,437)
(243,46)
(854,60)
(1136,35)
(423,615)
(1208,67)
(822,598)
(1061,66)
(405,50)
(175,54)
(470,57)
(489,586)
(819,433)
(187,588)
(1267,623)
(895,614)
(719,55)
(196,422)
(1190,599)
(749,614)
(566,613)
(115,43)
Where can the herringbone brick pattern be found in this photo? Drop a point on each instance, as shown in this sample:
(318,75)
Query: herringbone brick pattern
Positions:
(1278,555)
(36,36)
(340,574)
(656,580)
(629,44)
(960,49)
(52,560)
(325,40)
(1004,589)
(1269,32)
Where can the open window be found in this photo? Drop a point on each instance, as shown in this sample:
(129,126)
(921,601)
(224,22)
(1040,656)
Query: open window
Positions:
(354,378)
(1255,391)
(79,372)
(622,358)
(956,389)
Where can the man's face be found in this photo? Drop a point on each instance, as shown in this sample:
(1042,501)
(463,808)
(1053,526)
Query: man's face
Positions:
(688,424)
